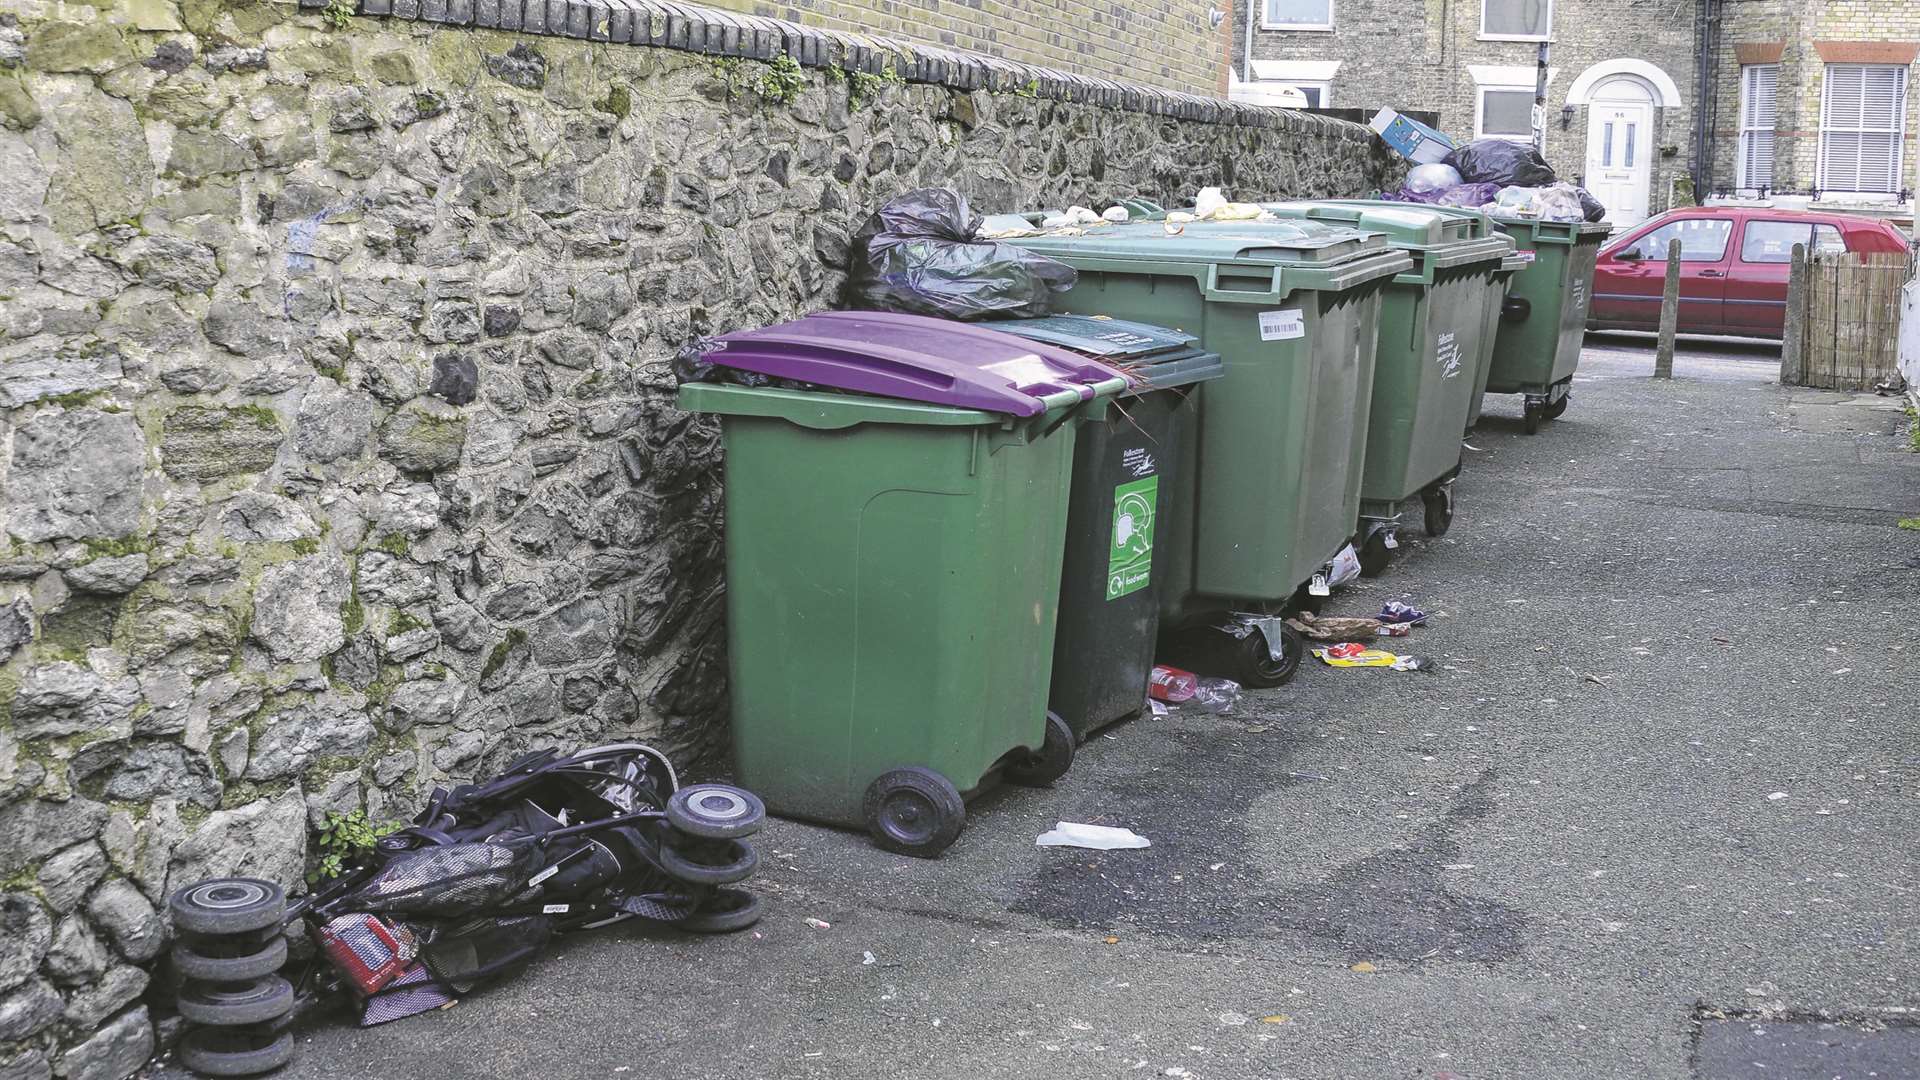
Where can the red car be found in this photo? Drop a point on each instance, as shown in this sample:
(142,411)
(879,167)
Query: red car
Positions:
(1733,266)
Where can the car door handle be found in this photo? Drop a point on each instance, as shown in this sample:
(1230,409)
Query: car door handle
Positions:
(1711,273)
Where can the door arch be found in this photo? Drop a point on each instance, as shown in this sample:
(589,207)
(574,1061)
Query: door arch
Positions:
(1620,145)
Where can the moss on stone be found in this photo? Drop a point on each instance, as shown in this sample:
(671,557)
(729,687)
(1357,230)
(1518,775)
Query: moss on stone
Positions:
(400,622)
(395,544)
(498,657)
(352,615)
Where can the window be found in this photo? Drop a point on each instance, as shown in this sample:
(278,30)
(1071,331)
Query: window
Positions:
(1524,20)
(1298,15)
(1505,114)
(1772,241)
(1758,85)
(1318,93)
(1701,240)
(1862,110)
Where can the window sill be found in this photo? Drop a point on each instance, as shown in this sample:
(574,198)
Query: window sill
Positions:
(1536,38)
(1291,28)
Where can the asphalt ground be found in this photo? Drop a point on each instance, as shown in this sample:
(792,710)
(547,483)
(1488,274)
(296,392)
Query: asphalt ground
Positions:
(1655,799)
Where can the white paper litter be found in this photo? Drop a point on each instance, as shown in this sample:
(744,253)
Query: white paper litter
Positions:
(1097,837)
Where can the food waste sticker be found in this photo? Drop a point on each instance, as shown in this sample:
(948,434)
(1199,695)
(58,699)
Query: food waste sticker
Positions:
(1527,256)
(1283,325)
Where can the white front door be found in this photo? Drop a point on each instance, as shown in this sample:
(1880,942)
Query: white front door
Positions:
(1620,150)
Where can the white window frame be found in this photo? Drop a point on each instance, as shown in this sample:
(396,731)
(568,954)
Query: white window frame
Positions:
(1480,111)
(1899,133)
(1484,36)
(1311,28)
(1748,129)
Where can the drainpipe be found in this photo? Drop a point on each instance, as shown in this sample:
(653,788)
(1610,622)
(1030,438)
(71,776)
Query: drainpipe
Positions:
(1540,99)
(1704,104)
(1246,66)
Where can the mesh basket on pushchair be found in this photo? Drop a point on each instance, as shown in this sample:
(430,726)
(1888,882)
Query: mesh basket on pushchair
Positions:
(447,882)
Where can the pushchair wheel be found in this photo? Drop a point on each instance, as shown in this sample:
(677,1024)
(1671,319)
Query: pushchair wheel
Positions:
(227,906)
(194,964)
(715,811)
(724,912)
(225,1051)
(718,862)
(228,1004)
(914,811)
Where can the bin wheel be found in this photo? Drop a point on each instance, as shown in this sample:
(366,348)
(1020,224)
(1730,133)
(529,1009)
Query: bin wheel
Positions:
(1049,763)
(1374,555)
(718,862)
(1531,420)
(223,1051)
(1439,507)
(1558,408)
(230,1004)
(716,811)
(726,911)
(227,906)
(1254,666)
(193,964)
(914,811)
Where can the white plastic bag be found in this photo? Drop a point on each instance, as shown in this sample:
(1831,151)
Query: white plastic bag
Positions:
(1209,200)
(1097,837)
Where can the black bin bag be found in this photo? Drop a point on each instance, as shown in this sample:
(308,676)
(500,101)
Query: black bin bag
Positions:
(919,254)
(1498,161)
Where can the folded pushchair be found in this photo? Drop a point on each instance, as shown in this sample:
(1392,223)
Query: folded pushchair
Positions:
(480,882)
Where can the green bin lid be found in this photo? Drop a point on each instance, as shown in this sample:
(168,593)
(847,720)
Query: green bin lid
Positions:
(1407,226)
(1290,243)
(1155,355)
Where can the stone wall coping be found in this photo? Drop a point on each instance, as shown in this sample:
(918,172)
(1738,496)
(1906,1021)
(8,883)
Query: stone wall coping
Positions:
(711,32)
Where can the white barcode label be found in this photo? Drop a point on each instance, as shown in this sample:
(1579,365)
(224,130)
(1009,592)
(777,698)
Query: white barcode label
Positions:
(555,909)
(1282,325)
(543,875)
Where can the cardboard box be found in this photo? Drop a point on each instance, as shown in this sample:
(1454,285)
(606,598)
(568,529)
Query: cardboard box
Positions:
(1410,138)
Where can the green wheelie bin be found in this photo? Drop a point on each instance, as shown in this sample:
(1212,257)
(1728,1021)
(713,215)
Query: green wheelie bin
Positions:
(893,566)
(1503,307)
(1269,478)
(1125,478)
(1433,343)
(1538,346)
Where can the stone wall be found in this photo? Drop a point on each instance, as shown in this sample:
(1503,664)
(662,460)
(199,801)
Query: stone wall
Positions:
(1170,45)
(337,455)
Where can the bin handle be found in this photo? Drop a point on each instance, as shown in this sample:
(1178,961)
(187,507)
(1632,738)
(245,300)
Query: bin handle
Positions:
(1057,407)
(1211,289)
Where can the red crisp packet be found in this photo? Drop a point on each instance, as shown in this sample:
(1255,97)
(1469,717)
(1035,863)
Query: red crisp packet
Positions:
(366,949)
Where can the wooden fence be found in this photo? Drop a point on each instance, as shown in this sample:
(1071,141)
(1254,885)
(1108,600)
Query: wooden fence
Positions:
(1843,319)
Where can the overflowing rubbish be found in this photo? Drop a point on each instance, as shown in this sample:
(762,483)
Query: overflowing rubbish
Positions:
(1554,202)
(1352,654)
(1212,205)
(1344,628)
(1393,611)
(476,887)
(1465,196)
(1410,138)
(922,253)
(1176,686)
(1344,568)
(1097,837)
(1073,215)
(1501,161)
(1432,177)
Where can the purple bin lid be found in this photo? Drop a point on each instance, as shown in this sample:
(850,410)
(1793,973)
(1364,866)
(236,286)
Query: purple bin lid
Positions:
(939,361)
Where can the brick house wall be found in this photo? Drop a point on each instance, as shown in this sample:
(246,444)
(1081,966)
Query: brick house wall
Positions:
(1431,55)
(1803,37)
(1163,43)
